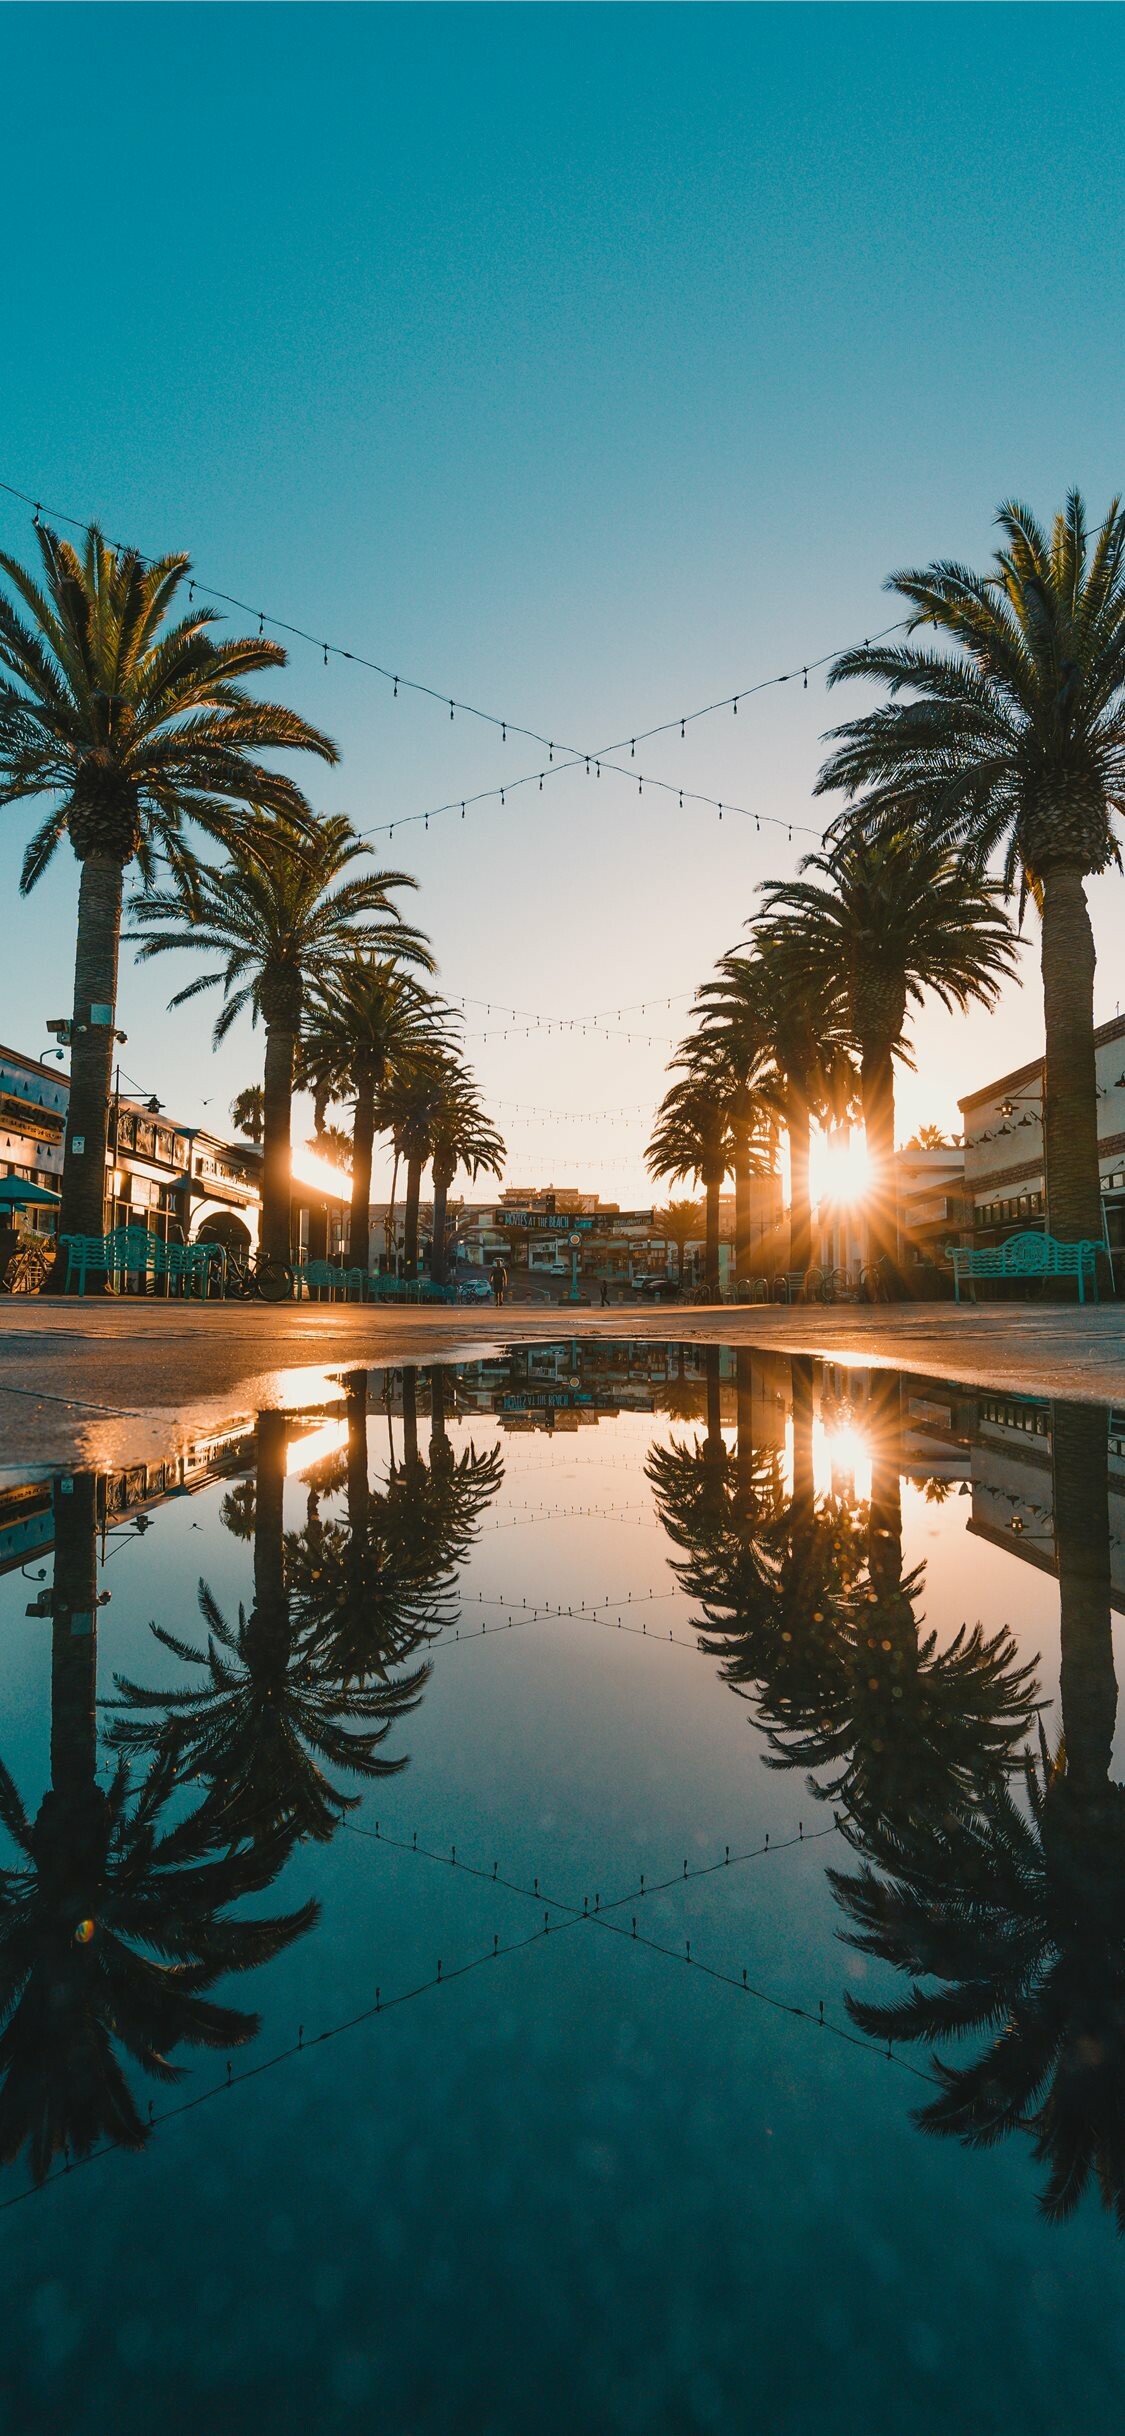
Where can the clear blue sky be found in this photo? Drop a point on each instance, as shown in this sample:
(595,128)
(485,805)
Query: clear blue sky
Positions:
(588,361)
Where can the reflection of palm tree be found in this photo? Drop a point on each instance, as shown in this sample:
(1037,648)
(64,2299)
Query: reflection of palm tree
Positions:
(272,1712)
(1019,1914)
(905,1727)
(112,1925)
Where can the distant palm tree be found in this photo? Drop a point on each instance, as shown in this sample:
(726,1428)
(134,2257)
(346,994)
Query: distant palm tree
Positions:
(782,1019)
(409,1106)
(680,1224)
(1013,744)
(892,916)
(692,1137)
(461,1135)
(928,1137)
(363,1023)
(115,1920)
(281,917)
(137,728)
(248,1113)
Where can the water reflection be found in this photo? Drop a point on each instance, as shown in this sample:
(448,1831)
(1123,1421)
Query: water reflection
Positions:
(116,1917)
(1014,1909)
(115,1920)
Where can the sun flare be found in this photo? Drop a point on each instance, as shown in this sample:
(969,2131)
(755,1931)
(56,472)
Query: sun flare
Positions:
(840,1169)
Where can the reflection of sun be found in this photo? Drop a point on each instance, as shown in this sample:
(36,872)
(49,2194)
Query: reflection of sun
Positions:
(841,1453)
(839,1168)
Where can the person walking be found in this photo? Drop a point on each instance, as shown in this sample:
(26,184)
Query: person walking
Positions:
(605,1294)
(499,1282)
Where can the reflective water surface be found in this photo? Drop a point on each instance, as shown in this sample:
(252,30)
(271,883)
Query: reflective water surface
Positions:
(581,1891)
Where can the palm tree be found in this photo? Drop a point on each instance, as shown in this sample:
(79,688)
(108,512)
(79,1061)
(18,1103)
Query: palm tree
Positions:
(281,916)
(1012,743)
(680,1224)
(115,1919)
(267,1711)
(1017,1908)
(781,1017)
(692,1137)
(892,916)
(928,1137)
(460,1136)
(410,1105)
(248,1113)
(366,1021)
(136,723)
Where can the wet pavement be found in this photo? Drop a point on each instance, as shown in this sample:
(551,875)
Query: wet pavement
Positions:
(98,1379)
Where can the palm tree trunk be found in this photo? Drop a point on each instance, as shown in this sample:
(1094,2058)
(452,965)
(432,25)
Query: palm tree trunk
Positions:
(269,1518)
(74,1731)
(391,1248)
(358,1492)
(713,1371)
(884,1521)
(712,1185)
(800,1207)
(439,1404)
(1070,1101)
(740,1131)
(438,1262)
(82,1211)
(410,1217)
(877,1086)
(804,1495)
(744,1391)
(363,1138)
(1087,1685)
(277,1164)
(410,1418)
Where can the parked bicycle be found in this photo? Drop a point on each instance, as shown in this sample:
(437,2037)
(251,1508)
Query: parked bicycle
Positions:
(25,1271)
(254,1277)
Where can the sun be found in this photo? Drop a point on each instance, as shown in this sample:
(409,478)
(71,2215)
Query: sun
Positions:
(840,1169)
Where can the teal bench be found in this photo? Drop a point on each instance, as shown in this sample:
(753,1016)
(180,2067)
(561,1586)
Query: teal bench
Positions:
(131,1251)
(327,1278)
(1031,1255)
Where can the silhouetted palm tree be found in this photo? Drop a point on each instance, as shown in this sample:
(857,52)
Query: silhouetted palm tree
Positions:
(1013,744)
(892,917)
(115,1920)
(461,1135)
(692,1138)
(782,1019)
(281,917)
(137,728)
(362,1025)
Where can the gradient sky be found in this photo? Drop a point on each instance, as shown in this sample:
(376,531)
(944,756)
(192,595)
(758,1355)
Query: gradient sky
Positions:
(588,363)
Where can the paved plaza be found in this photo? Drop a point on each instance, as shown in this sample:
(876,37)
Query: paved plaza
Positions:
(107,1381)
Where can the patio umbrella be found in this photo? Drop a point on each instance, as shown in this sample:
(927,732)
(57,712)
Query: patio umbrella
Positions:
(17,1194)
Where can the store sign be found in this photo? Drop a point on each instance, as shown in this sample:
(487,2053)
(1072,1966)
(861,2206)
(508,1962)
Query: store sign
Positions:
(547,1222)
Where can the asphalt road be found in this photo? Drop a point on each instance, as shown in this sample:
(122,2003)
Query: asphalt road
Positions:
(105,1382)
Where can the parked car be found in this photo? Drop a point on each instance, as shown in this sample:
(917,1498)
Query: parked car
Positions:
(658,1289)
(473,1286)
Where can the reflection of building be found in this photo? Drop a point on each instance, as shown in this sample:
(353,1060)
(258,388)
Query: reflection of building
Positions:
(27,1526)
(999,1448)
(1004,1147)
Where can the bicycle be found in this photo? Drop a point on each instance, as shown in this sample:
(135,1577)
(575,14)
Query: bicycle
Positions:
(255,1277)
(25,1272)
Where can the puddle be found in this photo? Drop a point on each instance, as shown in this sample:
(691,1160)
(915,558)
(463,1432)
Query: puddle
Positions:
(583,1889)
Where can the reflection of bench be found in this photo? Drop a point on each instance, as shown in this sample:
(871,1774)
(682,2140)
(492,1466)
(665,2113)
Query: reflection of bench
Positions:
(131,1251)
(1027,1256)
(326,1277)
(409,1290)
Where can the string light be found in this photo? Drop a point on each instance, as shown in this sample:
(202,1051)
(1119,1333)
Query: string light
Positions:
(473,710)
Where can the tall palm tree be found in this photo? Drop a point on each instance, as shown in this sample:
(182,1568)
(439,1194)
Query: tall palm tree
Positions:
(116,703)
(410,1105)
(781,1018)
(692,1137)
(891,916)
(1012,743)
(115,1919)
(461,1135)
(282,916)
(1016,1909)
(369,1019)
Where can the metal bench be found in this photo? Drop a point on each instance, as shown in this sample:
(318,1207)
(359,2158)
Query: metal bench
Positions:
(131,1251)
(1031,1255)
(323,1276)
